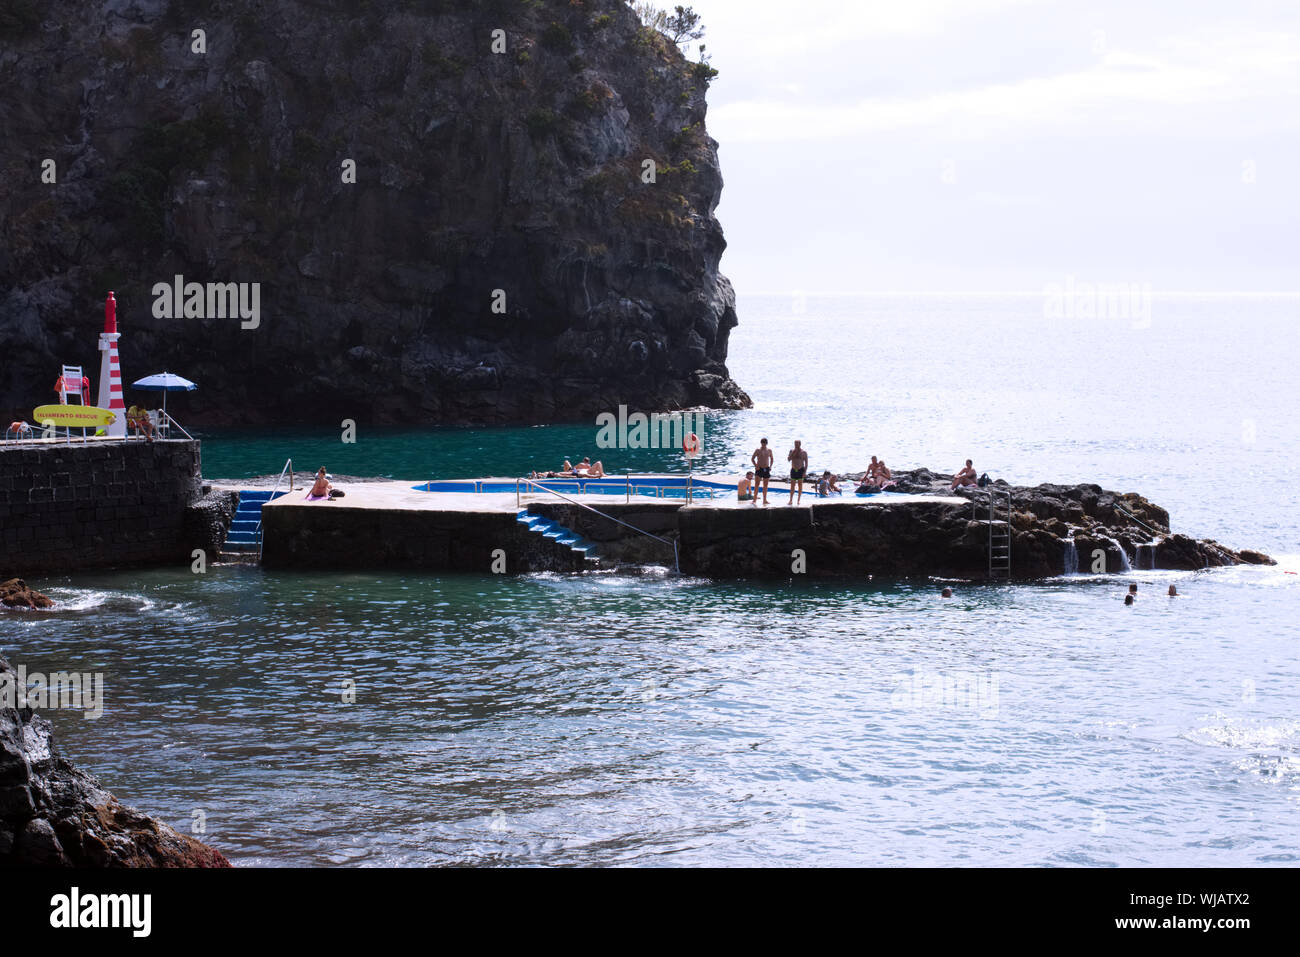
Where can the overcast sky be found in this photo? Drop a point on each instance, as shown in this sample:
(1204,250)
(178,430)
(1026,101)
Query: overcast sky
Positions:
(953,145)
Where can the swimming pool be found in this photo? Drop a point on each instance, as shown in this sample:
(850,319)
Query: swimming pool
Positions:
(650,486)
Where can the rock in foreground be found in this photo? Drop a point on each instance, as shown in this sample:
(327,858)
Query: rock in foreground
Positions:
(54,815)
(16,593)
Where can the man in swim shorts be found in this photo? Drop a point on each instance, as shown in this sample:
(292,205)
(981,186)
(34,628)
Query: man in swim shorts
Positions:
(798,460)
(762,461)
(745,489)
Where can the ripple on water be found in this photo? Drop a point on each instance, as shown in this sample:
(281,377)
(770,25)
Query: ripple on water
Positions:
(624,717)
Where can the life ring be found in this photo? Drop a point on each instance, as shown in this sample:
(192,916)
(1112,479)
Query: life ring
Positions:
(691,445)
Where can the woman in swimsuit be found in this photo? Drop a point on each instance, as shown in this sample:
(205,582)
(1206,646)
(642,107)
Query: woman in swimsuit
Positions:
(322,487)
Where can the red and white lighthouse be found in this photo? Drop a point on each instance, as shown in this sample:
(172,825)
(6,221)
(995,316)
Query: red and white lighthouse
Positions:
(110,373)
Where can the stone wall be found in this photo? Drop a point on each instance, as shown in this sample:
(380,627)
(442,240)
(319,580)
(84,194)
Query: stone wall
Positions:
(99,503)
(319,535)
(618,543)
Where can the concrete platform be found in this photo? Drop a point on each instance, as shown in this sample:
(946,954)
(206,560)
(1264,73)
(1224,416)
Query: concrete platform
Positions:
(395,524)
(400,496)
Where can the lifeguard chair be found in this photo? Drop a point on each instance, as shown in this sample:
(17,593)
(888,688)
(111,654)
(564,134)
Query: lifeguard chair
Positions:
(73,383)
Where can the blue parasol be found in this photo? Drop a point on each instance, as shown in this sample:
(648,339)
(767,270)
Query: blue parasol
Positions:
(164,382)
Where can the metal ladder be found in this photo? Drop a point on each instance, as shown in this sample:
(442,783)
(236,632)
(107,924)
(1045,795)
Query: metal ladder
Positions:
(999,523)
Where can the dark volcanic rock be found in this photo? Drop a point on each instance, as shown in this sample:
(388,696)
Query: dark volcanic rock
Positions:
(858,537)
(475,172)
(54,815)
(16,593)
(207,520)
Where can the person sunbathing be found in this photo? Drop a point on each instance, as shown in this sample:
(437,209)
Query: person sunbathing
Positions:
(870,482)
(567,471)
(322,488)
(884,477)
(965,478)
(596,471)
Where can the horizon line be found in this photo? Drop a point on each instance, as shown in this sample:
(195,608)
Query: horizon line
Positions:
(1013,292)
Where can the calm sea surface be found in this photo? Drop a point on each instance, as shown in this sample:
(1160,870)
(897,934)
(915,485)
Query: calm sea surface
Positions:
(649,719)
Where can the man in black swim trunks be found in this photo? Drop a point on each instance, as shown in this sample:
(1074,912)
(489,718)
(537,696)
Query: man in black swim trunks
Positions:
(762,461)
(798,460)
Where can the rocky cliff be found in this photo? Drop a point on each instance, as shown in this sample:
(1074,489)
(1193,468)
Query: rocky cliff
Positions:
(498,258)
(55,815)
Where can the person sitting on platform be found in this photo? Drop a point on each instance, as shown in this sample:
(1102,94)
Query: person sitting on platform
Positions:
(826,485)
(871,479)
(745,489)
(964,478)
(322,488)
(884,477)
(138,419)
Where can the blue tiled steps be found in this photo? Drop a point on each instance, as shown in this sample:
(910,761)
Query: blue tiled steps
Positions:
(244,537)
(553,530)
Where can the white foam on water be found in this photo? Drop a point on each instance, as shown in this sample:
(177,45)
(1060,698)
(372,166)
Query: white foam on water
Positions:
(1123,556)
(1246,733)
(93,599)
(1071,556)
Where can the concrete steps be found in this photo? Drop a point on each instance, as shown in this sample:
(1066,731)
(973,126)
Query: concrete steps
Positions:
(565,538)
(243,540)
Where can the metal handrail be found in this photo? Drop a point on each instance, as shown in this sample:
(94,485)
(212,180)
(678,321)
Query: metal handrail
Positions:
(1138,520)
(617,521)
(288,467)
(171,422)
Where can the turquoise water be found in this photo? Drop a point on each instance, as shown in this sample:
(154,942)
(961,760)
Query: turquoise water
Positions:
(648,719)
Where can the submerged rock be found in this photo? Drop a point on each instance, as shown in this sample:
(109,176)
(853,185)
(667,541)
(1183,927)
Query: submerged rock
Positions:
(16,593)
(497,256)
(54,815)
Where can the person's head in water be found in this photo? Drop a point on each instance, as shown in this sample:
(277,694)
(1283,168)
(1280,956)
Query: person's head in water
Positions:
(1173,592)
(1133,589)
(1128,599)
(946,593)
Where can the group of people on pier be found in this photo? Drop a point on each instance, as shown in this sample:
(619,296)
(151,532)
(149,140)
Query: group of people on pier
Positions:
(876,478)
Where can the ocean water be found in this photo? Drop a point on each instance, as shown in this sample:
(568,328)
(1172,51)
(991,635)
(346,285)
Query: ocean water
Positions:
(646,719)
